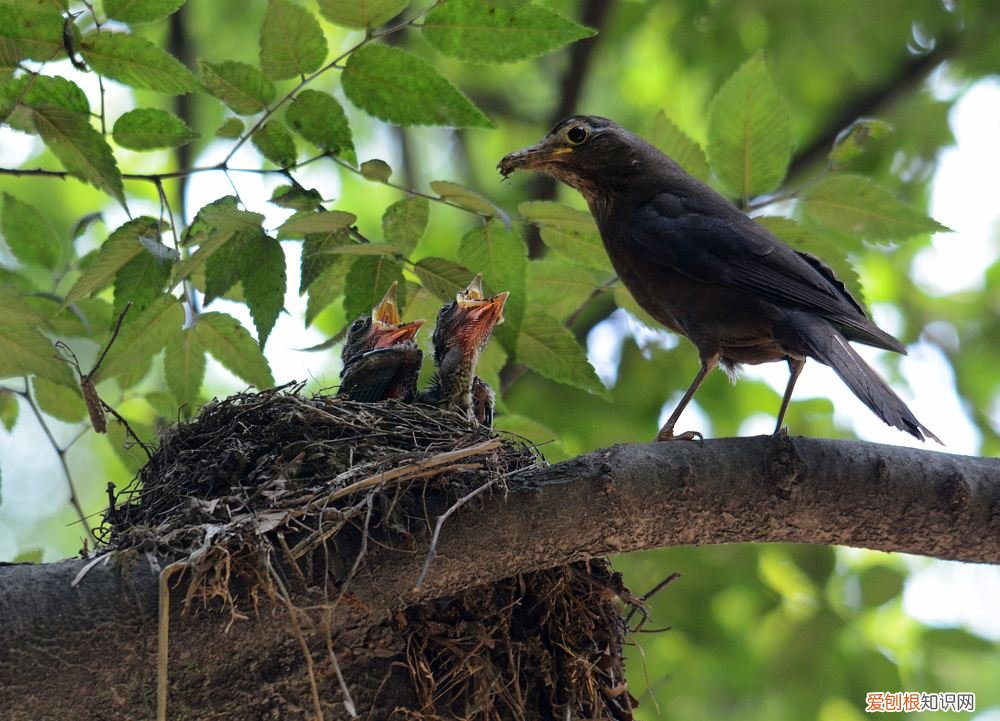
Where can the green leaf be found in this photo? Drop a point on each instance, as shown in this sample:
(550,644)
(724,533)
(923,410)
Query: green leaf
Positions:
(115,253)
(399,87)
(468,199)
(8,409)
(264,283)
(83,151)
(291,41)
(316,257)
(852,141)
(25,351)
(570,233)
(150,129)
(142,336)
(141,281)
(31,32)
(404,222)
(827,249)
(557,286)
(59,401)
(673,141)
(354,248)
(854,204)
(30,236)
(275,143)
(241,86)
(327,286)
(26,92)
(233,346)
(225,267)
(231,128)
(141,11)
(222,214)
(320,119)
(367,281)
(376,170)
(184,366)
(444,278)
(135,61)
(501,256)
(550,350)
(296,197)
(199,259)
(749,132)
(361,13)
(480,32)
(20,309)
(320,222)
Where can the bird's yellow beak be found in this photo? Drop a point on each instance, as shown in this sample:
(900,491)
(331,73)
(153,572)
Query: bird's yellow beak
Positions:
(386,312)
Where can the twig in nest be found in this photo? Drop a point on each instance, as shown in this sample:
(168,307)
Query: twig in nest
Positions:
(648,595)
(440,522)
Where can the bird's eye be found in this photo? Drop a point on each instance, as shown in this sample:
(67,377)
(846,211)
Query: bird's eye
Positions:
(358,325)
(576,135)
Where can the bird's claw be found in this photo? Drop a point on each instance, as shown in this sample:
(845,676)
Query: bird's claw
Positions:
(667,434)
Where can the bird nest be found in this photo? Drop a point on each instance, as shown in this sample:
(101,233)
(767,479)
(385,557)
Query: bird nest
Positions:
(264,480)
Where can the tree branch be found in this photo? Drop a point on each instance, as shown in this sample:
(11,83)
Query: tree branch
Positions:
(93,645)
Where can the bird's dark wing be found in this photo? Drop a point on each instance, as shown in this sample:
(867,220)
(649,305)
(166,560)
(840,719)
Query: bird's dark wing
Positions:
(371,375)
(483,402)
(713,242)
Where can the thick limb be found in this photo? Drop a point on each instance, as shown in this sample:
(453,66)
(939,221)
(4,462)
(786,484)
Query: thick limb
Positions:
(708,363)
(795,366)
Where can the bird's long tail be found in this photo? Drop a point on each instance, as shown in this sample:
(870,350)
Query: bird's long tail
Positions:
(831,348)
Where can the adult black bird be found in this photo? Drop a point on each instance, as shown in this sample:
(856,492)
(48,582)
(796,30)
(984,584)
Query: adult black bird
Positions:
(704,269)
(380,358)
(464,326)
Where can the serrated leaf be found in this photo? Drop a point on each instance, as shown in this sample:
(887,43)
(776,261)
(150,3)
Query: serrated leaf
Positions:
(354,248)
(8,409)
(321,222)
(550,350)
(296,197)
(502,257)
(58,400)
(184,366)
(233,346)
(197,260)
(224,268)
(376,170)
(142,336)
(151,129)
(558,287)
(141,281)
(367,281)
(291,41)
(570,233)
(320,119)
(444,278)
(30,236)
(231,128)
(399,87)
(326,286)
(852,140)
(121,247)
(315,258)
(25,351)
(404,222)
(468,199)
(241,86)
(85,318)
(827,249)
(854,204)
(749,132)
(673,141)
(264,283)
(31,32)
(84,223)
(134,61)
(82,150)
(275,143)
(361,13)
(141,11)
(222,215)
(19,309)
(479,32)
(20,95)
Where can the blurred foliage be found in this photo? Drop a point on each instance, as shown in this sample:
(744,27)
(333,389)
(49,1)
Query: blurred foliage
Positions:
(772,632)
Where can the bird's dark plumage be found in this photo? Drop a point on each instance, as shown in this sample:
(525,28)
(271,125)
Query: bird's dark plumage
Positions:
(380,358)
(463,328)
(706,270)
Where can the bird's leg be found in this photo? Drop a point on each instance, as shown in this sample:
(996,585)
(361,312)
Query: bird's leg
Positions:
(795,366)
(666,433)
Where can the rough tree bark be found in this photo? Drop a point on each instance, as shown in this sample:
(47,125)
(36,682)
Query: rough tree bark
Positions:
(89,651)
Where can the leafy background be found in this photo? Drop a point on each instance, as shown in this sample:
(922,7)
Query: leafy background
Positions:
(252,176)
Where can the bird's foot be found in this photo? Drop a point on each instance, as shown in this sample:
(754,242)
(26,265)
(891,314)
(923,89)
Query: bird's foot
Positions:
(780,432)
(667,434)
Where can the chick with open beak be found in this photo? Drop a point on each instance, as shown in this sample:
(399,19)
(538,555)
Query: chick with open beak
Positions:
(381,359)
(464,326)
